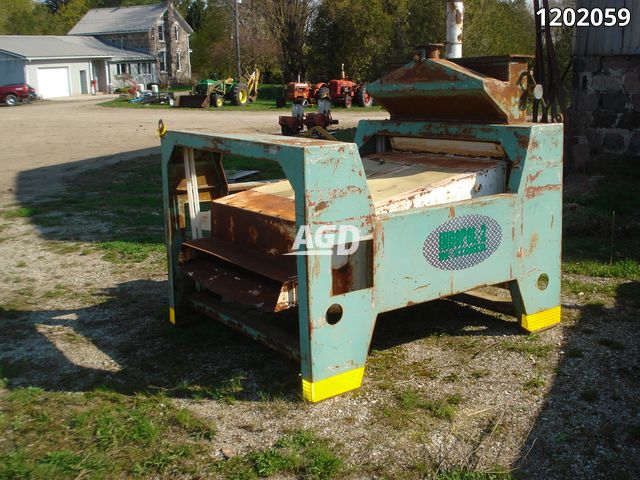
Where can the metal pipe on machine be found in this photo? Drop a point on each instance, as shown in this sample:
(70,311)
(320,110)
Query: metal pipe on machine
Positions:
(455,17)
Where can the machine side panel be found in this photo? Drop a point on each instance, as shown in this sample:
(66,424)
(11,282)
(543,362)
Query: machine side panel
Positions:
(438,251)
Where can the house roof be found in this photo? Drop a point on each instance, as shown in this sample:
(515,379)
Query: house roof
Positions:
(140,18)
(32,47)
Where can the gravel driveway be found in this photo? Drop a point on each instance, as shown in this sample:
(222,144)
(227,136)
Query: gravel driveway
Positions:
(60,132)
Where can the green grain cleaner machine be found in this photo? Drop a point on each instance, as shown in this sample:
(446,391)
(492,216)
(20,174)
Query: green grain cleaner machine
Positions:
(455,191)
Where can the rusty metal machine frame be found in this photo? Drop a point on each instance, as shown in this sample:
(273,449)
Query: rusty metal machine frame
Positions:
(409,256)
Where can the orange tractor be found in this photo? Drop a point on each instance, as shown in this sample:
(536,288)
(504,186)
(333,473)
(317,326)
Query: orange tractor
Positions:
(304,93)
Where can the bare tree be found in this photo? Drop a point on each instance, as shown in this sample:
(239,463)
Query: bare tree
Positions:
(289,22)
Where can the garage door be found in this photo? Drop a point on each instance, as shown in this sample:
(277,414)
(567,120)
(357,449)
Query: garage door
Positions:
(53,82)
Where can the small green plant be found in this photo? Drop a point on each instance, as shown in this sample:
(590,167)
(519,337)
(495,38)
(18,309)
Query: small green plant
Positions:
(452,378)
(529,345)
(534,383)
(300,453)
(269,462)
(471,475)
(563,437)
(21,212)
(634,433)
(589,395)
(122,252)
(480,373)
(611,344)
(574,352)
(410,400)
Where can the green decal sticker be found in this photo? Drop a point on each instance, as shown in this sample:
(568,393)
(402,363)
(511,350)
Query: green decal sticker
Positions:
(462,242)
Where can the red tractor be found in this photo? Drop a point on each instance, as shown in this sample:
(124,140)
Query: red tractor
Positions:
(345,92)
(304,92)
(341,92)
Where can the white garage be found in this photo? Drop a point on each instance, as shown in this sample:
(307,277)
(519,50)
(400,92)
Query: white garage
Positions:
(62,66)
(53,82)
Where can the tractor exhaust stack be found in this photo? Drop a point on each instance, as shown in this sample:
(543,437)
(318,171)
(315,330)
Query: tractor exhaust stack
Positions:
(455,17)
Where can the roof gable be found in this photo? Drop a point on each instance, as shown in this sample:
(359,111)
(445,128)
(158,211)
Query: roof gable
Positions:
(139,18)
(34,47)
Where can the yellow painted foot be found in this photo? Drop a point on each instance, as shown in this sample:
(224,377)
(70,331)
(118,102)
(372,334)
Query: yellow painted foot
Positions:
(332,386)
(538,321)
(172,315)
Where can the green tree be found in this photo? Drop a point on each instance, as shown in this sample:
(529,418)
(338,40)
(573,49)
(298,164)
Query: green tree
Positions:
(289,22)
(25,17)
(365,35)
(196,12)
(355,32)
(211,44)
(497,27)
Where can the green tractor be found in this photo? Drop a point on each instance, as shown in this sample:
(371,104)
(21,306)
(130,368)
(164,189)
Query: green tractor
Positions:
(214,92)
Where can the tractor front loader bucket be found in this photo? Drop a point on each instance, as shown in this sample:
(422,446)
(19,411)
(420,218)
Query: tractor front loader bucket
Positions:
(194,101)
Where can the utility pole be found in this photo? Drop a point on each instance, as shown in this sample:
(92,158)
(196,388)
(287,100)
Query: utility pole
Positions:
(237,36)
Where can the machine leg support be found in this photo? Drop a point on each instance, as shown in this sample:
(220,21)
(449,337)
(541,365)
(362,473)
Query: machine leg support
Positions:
(332,386)
(541,320)
(172,315)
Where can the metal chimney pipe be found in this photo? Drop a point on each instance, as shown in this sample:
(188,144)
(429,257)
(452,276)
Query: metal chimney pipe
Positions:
(455,15)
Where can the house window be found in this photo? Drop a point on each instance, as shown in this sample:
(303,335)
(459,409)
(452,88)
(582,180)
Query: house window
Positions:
(122,68)
(178,66)
(144,68)
(161,33)
(162,57)
(176,33)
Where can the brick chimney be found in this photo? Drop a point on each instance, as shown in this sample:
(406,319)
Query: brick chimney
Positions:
(169,41)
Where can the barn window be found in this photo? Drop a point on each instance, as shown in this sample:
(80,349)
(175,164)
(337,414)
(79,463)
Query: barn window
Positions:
(161,32)
(176,33)
(178,66)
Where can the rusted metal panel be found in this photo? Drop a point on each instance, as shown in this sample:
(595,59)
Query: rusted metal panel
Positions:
(444,90)
(274,332)
(266,230)
(279,268)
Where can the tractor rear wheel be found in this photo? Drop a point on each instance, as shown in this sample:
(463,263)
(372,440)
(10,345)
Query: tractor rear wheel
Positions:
(287,131)
(347,100)
(240,95)
(217,101)
(363,99)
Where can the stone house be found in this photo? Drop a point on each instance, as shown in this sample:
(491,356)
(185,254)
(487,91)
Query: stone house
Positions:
(158,30)
(606,88)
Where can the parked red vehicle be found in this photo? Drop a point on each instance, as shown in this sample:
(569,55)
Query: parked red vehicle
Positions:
(11,94)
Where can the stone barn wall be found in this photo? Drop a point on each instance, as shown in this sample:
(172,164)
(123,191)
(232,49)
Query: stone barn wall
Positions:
(606,106)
